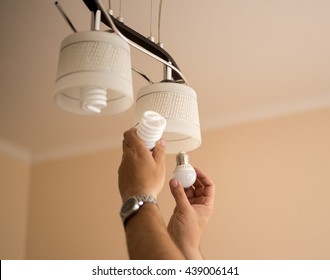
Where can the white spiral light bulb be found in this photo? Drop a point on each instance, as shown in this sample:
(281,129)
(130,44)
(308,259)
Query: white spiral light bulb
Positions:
(93,100)
(150,128)
(183,171)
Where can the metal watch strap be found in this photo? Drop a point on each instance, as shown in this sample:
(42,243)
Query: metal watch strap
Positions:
(147,198)
(142,199)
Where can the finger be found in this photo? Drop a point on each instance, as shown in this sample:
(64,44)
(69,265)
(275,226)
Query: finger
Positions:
(158,152)
(199,188)
(132,143)
(203,179)
(131,139)
(125,144)
(204,186)
(190,192)
(179,194)
(198,184)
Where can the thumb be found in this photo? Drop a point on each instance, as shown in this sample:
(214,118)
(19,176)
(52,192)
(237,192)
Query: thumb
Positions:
(179,194)
(158,152)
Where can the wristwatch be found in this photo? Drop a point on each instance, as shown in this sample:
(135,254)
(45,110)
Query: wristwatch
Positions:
(132,205)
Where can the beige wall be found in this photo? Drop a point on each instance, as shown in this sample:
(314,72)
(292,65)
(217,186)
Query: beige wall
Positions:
(272,201)
(273,182)
(14,191)
(74,209)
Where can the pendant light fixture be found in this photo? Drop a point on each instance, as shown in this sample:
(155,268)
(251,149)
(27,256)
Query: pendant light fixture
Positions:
(177,103)
(94,77)
(94,74)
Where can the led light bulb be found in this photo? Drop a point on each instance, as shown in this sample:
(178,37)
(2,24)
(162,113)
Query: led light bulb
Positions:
(183,171)
(150,128)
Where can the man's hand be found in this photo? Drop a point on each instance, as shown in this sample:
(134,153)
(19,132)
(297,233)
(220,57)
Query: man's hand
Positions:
(194,207)
(141,172)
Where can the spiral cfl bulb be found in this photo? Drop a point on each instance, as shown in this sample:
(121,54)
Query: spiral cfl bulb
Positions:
(183,171)
(150,128)
(93,100)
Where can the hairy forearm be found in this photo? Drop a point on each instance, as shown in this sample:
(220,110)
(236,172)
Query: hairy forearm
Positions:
(147,237)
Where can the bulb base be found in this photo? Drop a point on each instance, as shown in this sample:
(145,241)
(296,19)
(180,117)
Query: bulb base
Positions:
(182,158)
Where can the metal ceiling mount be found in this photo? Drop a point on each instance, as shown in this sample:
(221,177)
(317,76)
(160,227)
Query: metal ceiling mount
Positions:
(138,41)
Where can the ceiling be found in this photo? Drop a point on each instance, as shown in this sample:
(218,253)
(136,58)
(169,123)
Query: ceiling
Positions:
(247,60)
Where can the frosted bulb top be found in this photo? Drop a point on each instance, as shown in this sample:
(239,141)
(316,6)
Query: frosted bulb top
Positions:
(151,128)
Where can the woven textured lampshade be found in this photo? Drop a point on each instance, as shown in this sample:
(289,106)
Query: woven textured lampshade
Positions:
(94,74)
(177,103)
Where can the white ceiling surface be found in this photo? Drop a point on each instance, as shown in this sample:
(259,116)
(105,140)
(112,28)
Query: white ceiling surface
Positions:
(247,60)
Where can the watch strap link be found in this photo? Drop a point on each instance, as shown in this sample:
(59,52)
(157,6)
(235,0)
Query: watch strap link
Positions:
(140,200)
(146,198)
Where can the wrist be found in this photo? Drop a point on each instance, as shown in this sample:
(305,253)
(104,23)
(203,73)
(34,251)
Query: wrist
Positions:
(137,193)
(147,212)
(133,204)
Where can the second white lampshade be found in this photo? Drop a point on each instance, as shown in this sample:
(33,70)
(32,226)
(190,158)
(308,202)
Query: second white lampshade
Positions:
(177,103)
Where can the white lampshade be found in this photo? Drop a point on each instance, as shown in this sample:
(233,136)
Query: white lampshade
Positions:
(177,103)
(94,74)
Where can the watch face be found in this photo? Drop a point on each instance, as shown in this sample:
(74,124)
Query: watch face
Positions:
(130,206)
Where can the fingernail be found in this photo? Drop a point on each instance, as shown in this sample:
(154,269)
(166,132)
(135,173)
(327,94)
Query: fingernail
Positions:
(174,183)
(162,142)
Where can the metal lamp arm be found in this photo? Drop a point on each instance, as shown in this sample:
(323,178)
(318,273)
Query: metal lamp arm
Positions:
(136,40)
